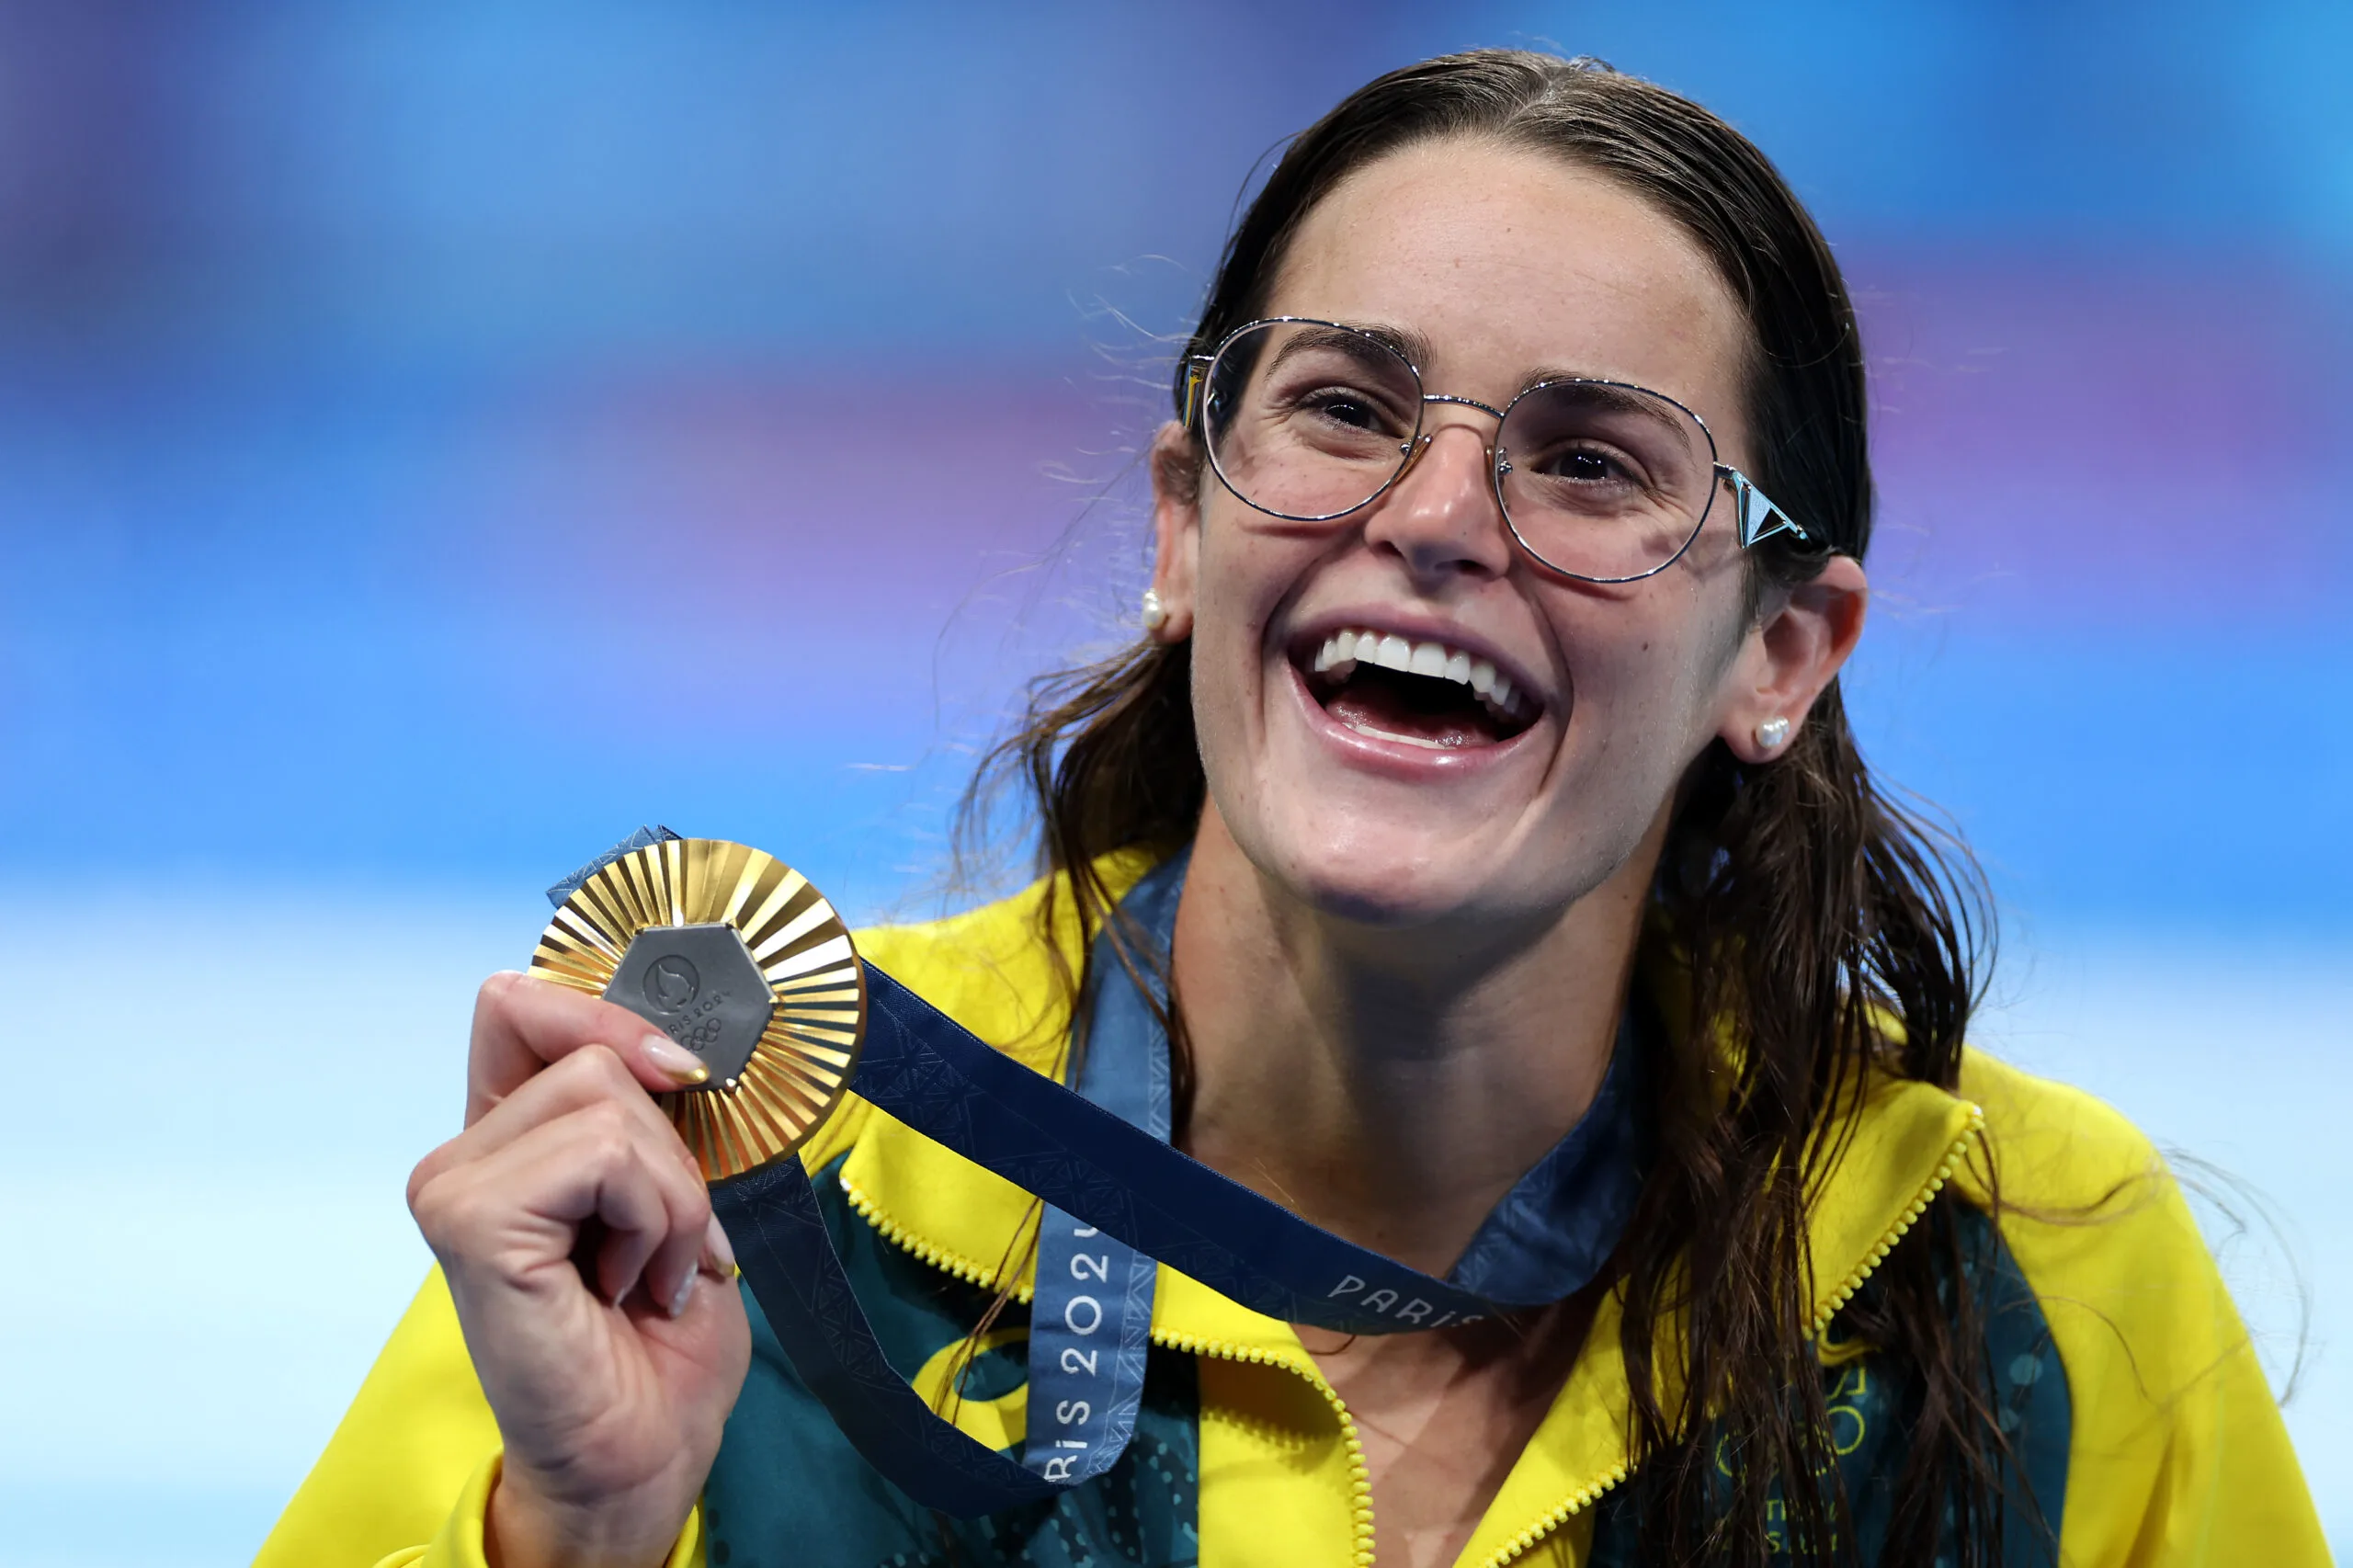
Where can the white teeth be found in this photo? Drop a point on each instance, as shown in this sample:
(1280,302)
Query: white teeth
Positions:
(1433,659)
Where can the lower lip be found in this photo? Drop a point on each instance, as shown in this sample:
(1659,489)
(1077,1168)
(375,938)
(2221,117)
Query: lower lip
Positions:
(1401,759)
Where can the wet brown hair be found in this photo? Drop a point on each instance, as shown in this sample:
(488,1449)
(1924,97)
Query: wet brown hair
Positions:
(1836,929)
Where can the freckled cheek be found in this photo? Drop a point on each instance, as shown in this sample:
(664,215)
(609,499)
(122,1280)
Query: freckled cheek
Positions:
(1234,681)
(1628,678)
(1244,582)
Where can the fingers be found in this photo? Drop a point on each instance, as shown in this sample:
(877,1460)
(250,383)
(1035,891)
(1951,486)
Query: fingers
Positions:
(521,1025)
(511,1215)
(561,1141)
(590,1076)
(650,1215)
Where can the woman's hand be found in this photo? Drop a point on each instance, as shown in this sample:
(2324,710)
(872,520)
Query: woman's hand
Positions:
(594,1286)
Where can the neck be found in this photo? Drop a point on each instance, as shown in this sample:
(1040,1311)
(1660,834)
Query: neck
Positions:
(1390,1085)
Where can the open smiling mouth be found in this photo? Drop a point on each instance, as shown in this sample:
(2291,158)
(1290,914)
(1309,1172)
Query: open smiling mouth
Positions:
(1422,694)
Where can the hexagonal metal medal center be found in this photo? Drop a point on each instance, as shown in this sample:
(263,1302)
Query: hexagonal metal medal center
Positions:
(699,985)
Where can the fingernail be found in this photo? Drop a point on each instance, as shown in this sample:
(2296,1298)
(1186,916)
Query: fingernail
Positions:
(717,1255)
(678,1297)
(681,1065)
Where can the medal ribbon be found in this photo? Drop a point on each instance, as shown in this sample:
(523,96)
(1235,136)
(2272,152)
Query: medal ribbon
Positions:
(1119,1200)
(1090,1319)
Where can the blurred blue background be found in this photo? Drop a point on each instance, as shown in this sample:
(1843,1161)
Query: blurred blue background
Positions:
(422,427)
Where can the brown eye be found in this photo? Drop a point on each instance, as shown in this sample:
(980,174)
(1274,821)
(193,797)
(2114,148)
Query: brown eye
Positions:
(1584,465)
(1345,407)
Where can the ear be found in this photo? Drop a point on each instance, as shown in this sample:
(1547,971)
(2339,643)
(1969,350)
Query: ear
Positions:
(1176,529)
(1796,648)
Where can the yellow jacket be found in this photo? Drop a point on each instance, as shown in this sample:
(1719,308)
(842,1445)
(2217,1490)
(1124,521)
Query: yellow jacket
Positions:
(2174,1451)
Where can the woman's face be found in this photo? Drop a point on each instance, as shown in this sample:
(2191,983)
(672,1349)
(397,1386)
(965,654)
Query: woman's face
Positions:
(1402,800)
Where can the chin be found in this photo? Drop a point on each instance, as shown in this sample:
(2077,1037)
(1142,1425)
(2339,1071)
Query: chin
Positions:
(1372,872)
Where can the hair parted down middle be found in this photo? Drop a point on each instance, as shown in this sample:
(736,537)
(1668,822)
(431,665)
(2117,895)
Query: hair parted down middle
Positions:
(1834,931)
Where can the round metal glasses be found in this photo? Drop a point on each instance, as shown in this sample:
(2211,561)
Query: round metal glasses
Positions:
(1602,480)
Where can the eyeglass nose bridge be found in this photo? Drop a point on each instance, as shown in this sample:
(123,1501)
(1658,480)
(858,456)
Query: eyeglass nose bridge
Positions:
(1413,450)
(1486,408)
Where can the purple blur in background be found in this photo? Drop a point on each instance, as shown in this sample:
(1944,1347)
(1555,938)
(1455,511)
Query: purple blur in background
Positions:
(428,432)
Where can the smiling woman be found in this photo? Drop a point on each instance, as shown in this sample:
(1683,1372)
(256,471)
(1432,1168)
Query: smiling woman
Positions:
(1473,862)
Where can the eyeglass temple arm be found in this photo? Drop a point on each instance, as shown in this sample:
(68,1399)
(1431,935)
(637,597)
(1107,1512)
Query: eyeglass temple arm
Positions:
(1197,372)
(1755,516)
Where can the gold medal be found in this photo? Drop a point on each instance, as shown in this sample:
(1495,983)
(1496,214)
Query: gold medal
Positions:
(733,954)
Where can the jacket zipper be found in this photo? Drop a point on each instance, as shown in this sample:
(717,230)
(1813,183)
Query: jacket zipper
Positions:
(1359,1479)
(1586,1497)
(937,1258)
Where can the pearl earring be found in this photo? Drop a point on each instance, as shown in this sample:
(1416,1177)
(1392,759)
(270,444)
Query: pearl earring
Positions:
(1772,732)
(1155,614)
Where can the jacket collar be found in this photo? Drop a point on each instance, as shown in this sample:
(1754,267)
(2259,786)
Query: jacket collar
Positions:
(987,970)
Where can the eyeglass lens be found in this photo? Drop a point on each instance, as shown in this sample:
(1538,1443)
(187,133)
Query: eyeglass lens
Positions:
(1308,421)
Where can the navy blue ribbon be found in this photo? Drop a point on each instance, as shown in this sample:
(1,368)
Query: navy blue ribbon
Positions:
(1545,1241)
(1118,1200)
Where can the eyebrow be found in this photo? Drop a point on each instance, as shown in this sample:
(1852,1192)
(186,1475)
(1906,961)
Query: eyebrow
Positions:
(1347,338)
(1405,341)
(1416,350)
(1622,396)
(1554,373)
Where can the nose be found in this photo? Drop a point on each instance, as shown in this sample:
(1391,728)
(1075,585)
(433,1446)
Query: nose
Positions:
(1440,518)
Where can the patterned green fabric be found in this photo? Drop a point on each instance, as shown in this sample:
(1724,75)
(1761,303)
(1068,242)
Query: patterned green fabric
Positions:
(788,1491)
(1872,1405)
